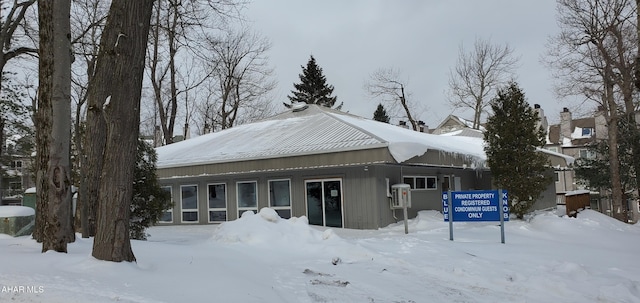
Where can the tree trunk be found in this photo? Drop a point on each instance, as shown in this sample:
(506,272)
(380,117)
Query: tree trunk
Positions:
(619,212)
(54,139)
(118,81)
(637,63)
(405,106)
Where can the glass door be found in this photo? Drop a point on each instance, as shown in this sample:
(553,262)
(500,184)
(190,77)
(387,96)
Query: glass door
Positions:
(324,202)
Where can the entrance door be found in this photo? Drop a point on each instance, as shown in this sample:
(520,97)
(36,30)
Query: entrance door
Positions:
(324,202)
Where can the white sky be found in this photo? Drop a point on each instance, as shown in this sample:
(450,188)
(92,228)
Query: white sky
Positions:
(262,258)
(351,39)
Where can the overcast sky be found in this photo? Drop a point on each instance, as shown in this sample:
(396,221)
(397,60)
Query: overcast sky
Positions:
(351,39)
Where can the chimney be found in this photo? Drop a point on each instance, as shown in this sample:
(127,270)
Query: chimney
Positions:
(542,123)
(187,132)
(565,124)
(422,127)
(600,121)
(157,136)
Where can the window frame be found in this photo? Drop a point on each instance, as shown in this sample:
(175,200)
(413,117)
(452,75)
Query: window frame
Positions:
(243,209)
(217,209)
(426,182)
(588,154)
(170,210)
(277,208)
(183,210)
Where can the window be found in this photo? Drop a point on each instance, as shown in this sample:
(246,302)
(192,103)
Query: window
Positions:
(16,164)
(15,185)
(189,203)
(247,197)
(167,215)
(280,197)
(217,194)
(587,154)
(416,182)
(557,177)
(587,131)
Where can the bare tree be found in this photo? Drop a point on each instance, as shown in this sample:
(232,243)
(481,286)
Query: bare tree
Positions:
(177,31)
(240,80)
(478,74)
(14,30)
(387,85)
(54,127)
(12,22)
(591,59)
(88,18)
(115,92)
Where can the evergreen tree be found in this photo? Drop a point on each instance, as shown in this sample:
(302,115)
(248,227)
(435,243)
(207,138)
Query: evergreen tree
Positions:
(594,171)
(381,114)
(313,88)
(149,199)
(512,137)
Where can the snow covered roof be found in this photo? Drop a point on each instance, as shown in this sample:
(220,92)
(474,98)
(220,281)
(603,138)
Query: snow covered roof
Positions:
(312,130)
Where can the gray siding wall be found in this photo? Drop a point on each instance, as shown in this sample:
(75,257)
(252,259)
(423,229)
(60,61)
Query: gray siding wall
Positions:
(365,204)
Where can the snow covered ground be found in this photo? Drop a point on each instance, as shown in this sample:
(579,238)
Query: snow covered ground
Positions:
(262,258)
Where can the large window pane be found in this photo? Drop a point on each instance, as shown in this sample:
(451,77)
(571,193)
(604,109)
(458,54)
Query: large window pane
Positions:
(247,194)
(190,197)
(333,203)
(217,196)
(217,200)
(279,193)
(167,214)
(189,203)
(314,203)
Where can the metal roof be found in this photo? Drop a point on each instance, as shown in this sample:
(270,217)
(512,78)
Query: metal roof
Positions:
(312,130)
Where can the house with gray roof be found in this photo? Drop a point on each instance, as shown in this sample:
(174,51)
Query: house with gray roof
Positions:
(334,168)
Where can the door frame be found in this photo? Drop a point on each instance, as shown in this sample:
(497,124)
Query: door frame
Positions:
(322,181)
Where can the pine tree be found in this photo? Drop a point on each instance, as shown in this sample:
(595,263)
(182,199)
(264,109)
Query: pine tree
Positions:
(313,88)
(512,137)
(381,114)
(149,199)
(594,171)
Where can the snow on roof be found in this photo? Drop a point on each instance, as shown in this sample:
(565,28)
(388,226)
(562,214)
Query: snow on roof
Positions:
(568,159)
(313,130)
(7,211)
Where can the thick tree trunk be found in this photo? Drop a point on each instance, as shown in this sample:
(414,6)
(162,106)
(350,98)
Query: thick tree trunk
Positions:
(118,81)
(91,160)
(53,187)
(637,63)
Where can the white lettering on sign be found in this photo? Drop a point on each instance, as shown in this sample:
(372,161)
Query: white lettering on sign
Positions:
(475,202)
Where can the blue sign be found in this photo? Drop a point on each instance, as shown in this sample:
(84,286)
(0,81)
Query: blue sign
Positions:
(477,205)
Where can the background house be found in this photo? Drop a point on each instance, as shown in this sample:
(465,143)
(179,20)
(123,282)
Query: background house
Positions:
(572,137)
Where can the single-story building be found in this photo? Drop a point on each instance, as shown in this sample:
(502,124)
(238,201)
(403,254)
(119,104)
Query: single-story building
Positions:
(333,167)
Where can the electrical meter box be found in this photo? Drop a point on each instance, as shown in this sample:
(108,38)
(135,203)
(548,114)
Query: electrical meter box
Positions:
(400,196)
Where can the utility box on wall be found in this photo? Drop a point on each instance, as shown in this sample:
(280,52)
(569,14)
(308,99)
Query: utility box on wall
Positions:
(400,196)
